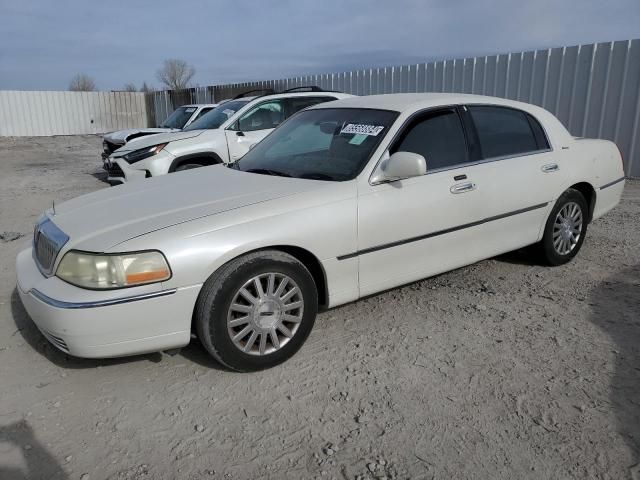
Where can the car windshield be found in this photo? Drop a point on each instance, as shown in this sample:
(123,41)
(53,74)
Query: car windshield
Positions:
(321,144)
(217,116)
(178,118)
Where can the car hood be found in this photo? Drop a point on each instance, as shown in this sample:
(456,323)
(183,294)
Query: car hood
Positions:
(151,140)
(100,220)
(121,136)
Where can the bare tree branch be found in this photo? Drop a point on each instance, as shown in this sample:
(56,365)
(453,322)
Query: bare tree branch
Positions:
(82,83)
(176,74)
(129,87)
(146,88)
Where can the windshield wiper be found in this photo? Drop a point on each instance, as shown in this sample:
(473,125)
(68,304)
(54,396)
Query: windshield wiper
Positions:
(266,171)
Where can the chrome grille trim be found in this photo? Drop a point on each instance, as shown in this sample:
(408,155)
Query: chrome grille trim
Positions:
(48,240)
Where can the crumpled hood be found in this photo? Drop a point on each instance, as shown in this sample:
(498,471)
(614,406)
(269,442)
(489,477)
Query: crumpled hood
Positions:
(103,219)
(121,136)
(151,140)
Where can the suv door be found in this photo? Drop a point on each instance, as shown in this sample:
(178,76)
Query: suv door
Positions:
(253,126)
(525,174)
(247,134)
(422,226)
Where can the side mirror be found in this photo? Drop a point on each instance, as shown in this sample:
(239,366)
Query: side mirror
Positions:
(399,166)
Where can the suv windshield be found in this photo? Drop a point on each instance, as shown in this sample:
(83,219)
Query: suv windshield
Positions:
(217,116)
(320,144)
(178,118)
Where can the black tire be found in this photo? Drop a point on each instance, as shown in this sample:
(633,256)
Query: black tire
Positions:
(546,249)
(188,166)
(218,292)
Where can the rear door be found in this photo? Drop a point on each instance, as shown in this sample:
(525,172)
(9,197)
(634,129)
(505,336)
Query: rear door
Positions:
(524,173)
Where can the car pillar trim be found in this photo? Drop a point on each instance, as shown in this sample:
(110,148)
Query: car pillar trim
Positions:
(611,184)
(440,232)
(100,303)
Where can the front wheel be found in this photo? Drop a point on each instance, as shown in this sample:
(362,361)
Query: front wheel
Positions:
(257,310)
(565,229)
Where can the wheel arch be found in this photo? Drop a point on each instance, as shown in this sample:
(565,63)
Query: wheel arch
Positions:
(589,193)
(304,256)
(204,158)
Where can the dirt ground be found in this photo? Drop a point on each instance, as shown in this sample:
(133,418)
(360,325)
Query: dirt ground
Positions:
(501,370)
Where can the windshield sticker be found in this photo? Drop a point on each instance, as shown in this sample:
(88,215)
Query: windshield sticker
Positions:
(228,112)
(361,129)
(358,139)
(190,110)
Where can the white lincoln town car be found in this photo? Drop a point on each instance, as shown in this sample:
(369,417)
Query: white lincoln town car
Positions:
(343,200)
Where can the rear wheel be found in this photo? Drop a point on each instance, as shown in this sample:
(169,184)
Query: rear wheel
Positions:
(257,310)
(565,229)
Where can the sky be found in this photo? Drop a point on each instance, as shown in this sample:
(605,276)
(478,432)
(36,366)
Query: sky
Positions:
(43,43)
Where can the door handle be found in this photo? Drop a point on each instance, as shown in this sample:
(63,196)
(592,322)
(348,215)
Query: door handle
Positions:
(463,187)
(550,167)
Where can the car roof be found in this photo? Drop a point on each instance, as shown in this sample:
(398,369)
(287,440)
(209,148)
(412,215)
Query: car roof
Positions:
(401,102)
(323,93)
(197,105)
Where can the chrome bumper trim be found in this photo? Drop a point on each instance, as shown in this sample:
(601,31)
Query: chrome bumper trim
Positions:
(101,303)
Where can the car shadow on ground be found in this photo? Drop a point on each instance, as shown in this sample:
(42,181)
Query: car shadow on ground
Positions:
(101,175)
(616,310)
(525,256)
(193,352)
(40,464)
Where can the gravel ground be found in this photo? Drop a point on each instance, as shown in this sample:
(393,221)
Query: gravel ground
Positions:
(501,370)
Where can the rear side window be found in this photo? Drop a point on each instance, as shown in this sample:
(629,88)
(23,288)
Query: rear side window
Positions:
(438,137)
(506,131)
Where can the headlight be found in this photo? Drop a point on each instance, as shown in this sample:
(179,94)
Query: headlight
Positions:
(141,154)
(108,271)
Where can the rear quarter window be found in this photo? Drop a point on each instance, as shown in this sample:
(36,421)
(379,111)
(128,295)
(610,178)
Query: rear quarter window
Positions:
(506,131)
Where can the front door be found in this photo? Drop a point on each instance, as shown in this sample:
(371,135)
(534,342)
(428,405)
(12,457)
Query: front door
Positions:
(253,126)
(422,226)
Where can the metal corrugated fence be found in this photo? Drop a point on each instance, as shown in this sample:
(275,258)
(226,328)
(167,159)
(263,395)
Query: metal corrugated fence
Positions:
(593,89)
(29,113)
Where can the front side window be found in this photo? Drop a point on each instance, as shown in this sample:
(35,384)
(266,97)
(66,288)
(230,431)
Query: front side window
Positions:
(505,131)
(438,137)
(178,118)
(217,116)
(321,144)
(264,116)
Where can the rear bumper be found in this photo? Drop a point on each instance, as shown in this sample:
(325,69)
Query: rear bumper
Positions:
(608,196)
(102,324)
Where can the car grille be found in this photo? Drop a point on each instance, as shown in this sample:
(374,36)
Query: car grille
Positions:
(114,170)
(47,242)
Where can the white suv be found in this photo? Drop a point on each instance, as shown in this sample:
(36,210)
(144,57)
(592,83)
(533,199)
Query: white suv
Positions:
(223,135)
(180,118)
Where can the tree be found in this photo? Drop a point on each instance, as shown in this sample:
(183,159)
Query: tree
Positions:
(82,83)
(129,87)
(146,88)
(176,74)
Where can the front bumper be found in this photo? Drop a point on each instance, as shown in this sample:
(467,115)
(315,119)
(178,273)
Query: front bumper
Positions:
(102,324)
